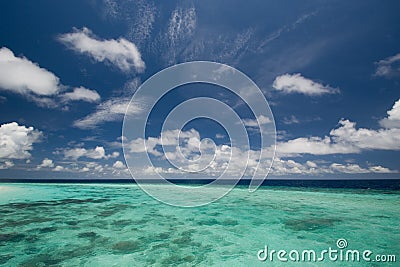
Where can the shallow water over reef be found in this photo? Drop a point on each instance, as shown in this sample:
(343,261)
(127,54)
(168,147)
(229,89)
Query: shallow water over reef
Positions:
(118,224)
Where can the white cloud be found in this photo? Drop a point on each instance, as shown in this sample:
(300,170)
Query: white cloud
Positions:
(58,168)
(46,163)
(96,153)
(181,28)
(261,120)
(314,146)
(388,67)
(348,168)
(84,169)
(189,139)
(393,118)
(6,165)
(138,15)
(82,93)
(295,83)
(219,136)
(285,29)
(366,139)
(16,141)
(111,8)
(182,24)
(44,102)
(94,169)
(288,167)
(380,169)
(311,164)
(20,75)
(122,138)
(119,165)
(145,16)
(237,160)
(121,53)
(111,110)
(343,140)
(291,120)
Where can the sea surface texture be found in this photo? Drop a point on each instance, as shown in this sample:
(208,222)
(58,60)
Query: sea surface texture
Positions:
(120,225)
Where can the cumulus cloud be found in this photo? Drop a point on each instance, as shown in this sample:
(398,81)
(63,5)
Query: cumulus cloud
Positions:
(119,165)
(16,141)
(348,168)
(388,67)
(190,140)
(393,118)
(313,145)
(20,75)
(94,169)
(296,83)
(184,148)
(237,159)
(111,110)
(96,153)
(366,139)
(58,168)
(81,93)
(345,139)
(287,167)
(6,164)
(46,163)
(121,53)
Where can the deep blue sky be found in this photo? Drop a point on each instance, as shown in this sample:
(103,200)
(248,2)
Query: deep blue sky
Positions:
(346,50)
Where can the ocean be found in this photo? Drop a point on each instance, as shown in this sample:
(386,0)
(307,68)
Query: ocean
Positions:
(84,224)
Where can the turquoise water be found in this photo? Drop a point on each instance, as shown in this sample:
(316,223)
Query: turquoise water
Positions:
(119,225)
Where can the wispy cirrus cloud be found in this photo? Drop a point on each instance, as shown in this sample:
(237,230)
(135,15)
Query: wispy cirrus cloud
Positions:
(182,24)
(388,67)
(141,28)
(121,53)
(261,120)
(285,29)
(138,15)
(113,109)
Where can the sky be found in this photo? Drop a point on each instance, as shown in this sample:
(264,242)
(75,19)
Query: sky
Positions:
(330,71)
